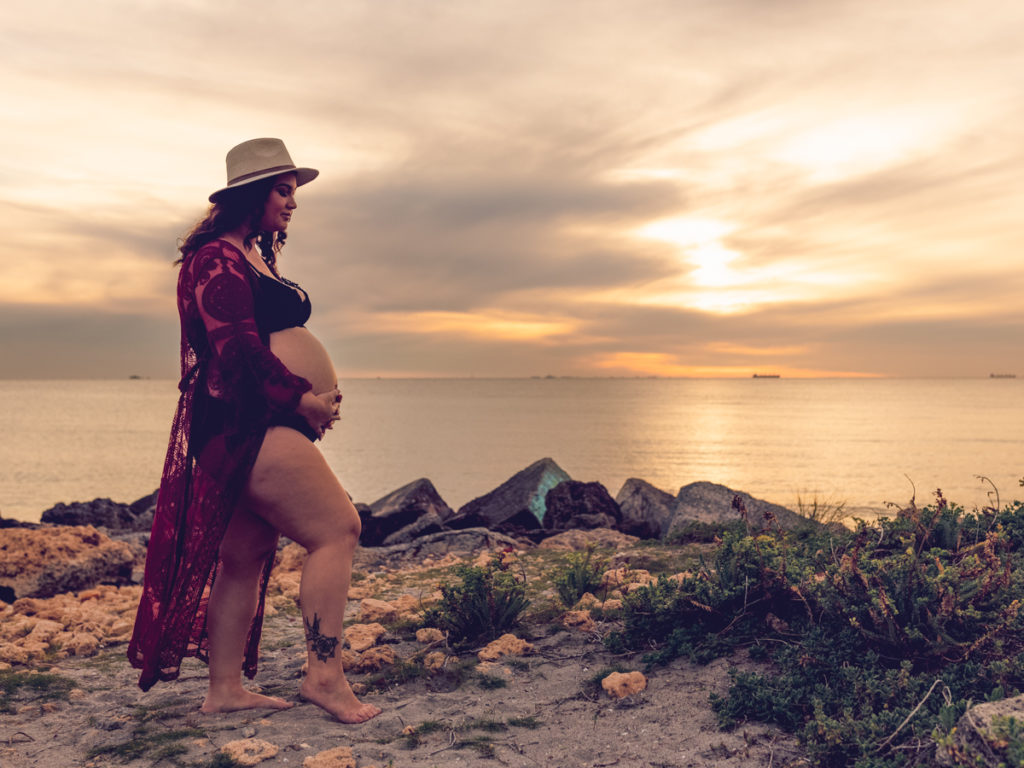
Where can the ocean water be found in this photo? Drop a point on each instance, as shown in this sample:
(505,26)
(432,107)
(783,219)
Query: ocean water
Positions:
(863,443)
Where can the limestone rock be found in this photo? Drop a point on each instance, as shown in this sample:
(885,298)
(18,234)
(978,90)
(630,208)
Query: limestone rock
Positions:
(977,735)
(625,579)
(573,504)
(291,558)
(444,548)
(286,584)
(492,669)
(434,661)
(338,757)
(429,635)
(403,515)
(362,636)
(711,503)
(249,751)
(506,645)
(621,684)
(580,620)
(46,561)
(77,643)
(646,511)
(586,602)
(580,540)
(407,606)
(373,610)
(376,658)
(66,624)
(517,505)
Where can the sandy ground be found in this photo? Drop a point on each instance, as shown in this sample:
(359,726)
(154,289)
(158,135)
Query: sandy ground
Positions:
(549,712)
(670,724)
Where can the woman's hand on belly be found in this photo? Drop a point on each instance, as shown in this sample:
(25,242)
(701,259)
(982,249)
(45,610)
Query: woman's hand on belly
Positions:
(320,410)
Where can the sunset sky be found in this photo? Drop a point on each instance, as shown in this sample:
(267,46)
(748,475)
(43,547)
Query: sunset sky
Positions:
(596,188)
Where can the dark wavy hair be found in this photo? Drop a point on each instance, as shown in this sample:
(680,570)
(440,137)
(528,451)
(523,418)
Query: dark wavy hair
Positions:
(232,209)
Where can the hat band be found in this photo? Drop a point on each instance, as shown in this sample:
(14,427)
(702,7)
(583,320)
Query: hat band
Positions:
(261,172)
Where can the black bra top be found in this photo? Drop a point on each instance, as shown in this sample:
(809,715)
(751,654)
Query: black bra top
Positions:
(278,306)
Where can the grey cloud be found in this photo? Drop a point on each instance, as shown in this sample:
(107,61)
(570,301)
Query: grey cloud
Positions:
(451,243)
(59,342)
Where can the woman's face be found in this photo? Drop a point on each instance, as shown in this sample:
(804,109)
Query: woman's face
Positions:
(277,211)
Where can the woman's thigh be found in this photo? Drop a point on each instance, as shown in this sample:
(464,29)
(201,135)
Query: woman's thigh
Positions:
(293,489)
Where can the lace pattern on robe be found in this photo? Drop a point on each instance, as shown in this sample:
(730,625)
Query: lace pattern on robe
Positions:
(222,356)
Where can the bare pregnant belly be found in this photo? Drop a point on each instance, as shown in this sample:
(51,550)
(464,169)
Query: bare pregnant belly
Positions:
(304,356)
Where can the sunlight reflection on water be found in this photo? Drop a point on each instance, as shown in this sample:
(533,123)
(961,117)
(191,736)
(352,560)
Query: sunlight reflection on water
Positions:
(839,440)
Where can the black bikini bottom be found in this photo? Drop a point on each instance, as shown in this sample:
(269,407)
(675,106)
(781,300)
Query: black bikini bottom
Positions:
(296,422)
(211,416)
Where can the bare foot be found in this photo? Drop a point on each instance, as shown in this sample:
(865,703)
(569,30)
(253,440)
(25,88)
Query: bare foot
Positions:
(338,699)
(240,699)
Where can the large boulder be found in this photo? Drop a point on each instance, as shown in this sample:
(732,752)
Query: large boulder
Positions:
(981,736)
(143,510)
(411,511)
(711,503)
(104,513)
(573,504)
(47,561)
(517,506)
(646,511)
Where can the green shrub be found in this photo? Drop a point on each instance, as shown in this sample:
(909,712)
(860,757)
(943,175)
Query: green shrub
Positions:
(484,604)
(582,574)
(745,592)
(909,621)
(878,638)
(697,531)
(930,585)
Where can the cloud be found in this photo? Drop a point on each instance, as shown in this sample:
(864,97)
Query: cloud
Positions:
(486,169)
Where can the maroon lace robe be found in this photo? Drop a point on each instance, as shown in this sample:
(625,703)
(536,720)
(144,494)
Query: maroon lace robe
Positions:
(222,356)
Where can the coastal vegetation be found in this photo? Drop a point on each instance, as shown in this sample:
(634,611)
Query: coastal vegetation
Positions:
(879,638)
(480,604)
(869,644)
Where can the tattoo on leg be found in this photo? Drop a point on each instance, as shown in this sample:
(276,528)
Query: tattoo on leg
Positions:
(322,645)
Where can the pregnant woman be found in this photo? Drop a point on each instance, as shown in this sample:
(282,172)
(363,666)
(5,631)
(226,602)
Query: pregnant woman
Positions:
(257,390)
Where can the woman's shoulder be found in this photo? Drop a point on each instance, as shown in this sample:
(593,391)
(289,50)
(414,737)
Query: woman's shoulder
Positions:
(219,245)
(220,250)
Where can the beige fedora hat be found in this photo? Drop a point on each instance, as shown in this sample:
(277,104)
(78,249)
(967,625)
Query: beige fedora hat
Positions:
(260,159)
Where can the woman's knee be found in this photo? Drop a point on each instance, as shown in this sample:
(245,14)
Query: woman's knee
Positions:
(340,531)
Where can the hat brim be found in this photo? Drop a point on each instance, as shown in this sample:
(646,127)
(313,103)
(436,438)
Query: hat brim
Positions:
(302,176)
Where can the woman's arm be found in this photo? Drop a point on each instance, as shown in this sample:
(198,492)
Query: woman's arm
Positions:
(250,373)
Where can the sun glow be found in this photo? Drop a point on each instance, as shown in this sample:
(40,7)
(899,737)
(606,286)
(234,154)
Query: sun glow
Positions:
(713,281)
(857,144)
(486,324)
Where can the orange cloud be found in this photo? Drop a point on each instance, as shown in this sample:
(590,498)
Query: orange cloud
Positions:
(488,324)
(668,366)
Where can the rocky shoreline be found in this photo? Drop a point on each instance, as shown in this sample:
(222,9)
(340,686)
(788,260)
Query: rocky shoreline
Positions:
(551,694)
